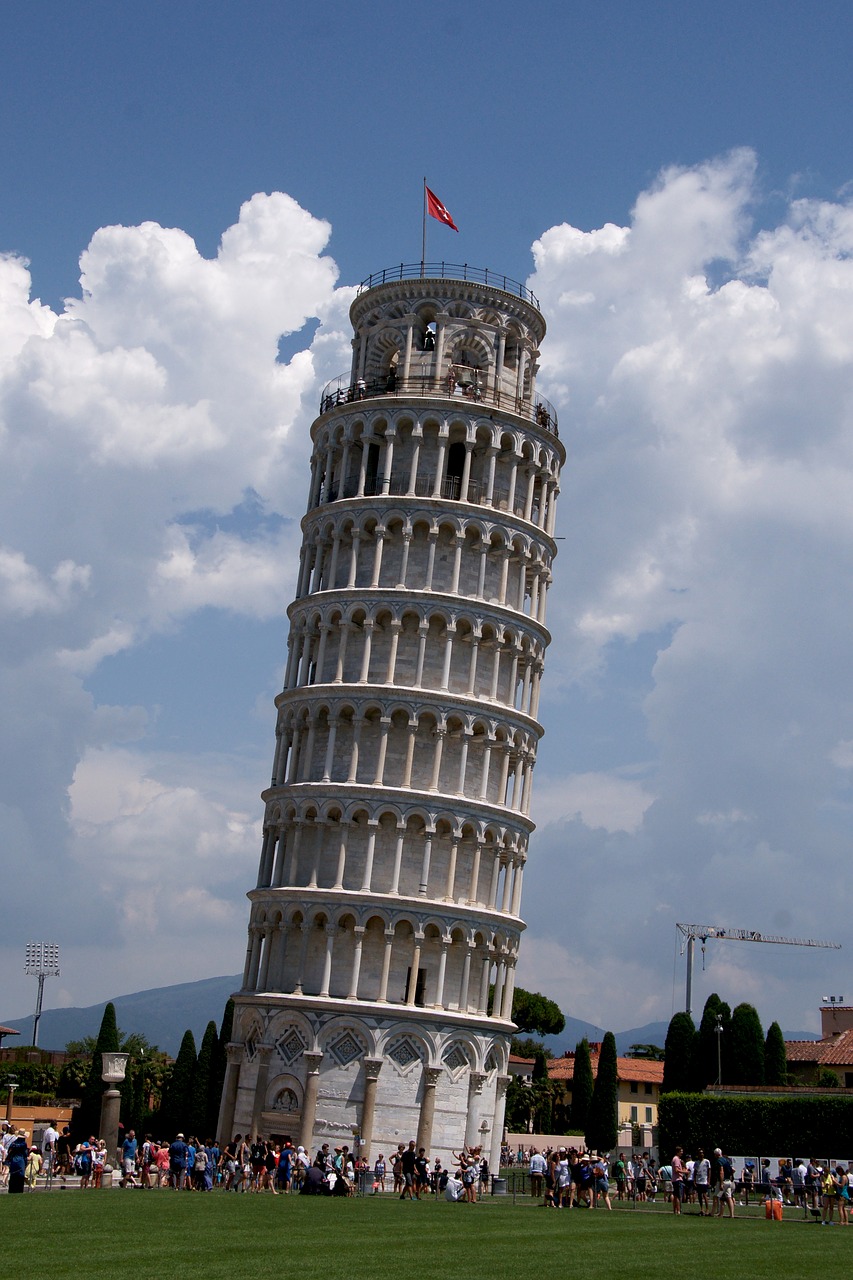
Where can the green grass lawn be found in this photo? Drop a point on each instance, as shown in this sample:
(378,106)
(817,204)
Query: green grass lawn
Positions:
(160,1234)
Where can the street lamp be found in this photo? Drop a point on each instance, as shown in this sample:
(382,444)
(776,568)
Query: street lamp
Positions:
(718,1032)
(41,960)
(11,1085)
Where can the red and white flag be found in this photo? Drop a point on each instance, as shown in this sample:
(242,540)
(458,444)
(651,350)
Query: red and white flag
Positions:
(436,209)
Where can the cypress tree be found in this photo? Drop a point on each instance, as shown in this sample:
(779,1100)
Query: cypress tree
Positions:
(199,1120)
(582,1086)
(679,1052)
(775,1056)
(705,1071)
(602,1126)
(177,1094)
(745,1062)
(219,1062)
(87,1117)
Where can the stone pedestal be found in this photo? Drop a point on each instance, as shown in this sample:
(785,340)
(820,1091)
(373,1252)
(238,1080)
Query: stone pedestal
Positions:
(110,1115)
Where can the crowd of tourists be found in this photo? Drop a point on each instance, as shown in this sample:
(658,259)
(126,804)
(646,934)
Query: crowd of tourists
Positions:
(562,1177)
(566,1178)
(245,1164)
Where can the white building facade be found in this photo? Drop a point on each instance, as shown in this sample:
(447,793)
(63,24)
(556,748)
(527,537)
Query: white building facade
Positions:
(385,923)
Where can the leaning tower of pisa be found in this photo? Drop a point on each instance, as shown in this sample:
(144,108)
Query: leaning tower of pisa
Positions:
(385,924)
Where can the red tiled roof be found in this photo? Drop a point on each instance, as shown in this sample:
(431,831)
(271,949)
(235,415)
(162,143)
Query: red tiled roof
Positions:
(643,1070)
(9,1031)
(836,1052)
(530,1062)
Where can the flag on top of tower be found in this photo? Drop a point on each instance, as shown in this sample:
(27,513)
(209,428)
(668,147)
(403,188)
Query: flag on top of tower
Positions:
(436,209)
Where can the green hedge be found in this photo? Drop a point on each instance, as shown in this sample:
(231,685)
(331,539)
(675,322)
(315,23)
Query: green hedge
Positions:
(802,1126)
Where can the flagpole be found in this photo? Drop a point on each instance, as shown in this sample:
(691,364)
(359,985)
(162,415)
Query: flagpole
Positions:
(423,239)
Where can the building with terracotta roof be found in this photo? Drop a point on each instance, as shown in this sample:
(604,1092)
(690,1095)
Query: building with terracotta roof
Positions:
(639,1086)
(806,1058)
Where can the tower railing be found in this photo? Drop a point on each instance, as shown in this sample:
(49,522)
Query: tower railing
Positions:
(449,271)
(342,391)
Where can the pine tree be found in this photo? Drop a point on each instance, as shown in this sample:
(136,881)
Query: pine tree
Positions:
(582,1086)
(745,1061)
(87,1117)
(775,1056)
(705,1062)
(602,1124)
(679,1052)
(177,1094)
(199,1121)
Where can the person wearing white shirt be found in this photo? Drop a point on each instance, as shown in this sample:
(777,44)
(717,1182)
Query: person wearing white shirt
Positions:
(49,1139)
(536,1169)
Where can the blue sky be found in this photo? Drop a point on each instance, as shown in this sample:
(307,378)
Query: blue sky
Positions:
(683,172)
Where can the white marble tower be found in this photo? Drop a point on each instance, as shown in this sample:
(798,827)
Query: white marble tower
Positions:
(385,923)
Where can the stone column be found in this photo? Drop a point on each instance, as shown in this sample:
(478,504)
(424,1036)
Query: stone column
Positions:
(263,1052)
(498,1124)
(225,1124)
(442,969)
(330,931)
(431,1077)
(398,861)
(358,932)
(476,1080)
(372,1067)
(329,762)
(407,353)
(386,966)
(414,968)
(372,828)
(342,856)
(309,1102)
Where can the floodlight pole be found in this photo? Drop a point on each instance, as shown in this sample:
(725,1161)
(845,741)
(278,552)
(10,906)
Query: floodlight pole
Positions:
(41,961)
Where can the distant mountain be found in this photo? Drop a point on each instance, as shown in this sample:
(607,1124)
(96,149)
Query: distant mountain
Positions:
(164,1014)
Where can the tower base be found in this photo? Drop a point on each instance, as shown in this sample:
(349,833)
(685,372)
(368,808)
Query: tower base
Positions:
(334,1071)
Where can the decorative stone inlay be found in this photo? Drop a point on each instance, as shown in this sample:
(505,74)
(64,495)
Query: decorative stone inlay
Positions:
(290,1045)
(346,1049)
(456,1059)
(251,1048)
(404,1053)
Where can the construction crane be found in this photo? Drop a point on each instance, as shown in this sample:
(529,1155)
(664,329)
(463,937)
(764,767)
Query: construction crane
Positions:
(705,931)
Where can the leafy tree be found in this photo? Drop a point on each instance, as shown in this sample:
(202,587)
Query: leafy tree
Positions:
(534,1012)
(582,1086)
(525,1046)
(648,1052)
(73,1075)
(543,1105)
(745,1064)
(519,1105)
(602,1121)
(87,1117)
(200,1122)
(775,1056)
(705,1059)
(827,1079)
(177,1094)
(679,1053)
